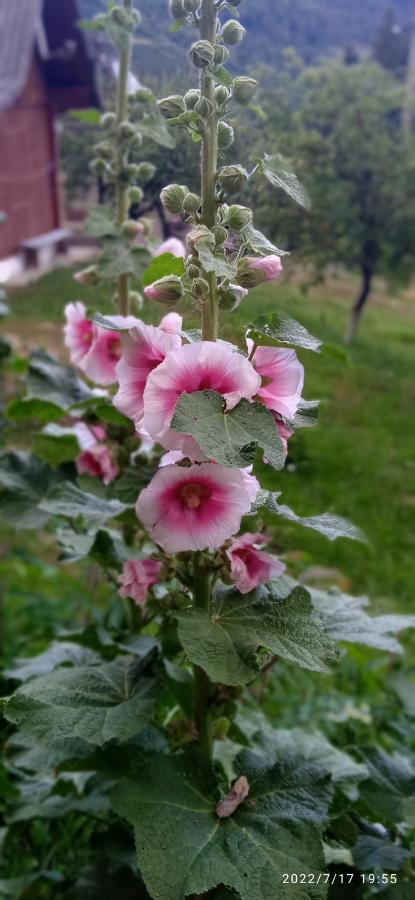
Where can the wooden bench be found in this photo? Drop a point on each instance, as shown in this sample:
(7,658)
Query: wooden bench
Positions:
(57,239)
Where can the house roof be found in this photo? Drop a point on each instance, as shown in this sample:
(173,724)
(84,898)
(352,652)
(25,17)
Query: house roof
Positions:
(51,28)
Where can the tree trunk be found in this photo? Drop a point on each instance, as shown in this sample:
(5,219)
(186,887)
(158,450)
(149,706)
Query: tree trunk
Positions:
(367,276)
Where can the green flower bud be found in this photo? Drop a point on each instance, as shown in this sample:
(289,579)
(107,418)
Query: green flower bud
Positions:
(220,234)
(176,9)
(231,297)
(222,95)
(172,197)
(238,217)
(119,15)
(167,290)
(146,171)
(204,108)
(88,276)
(131,228)
(125,131)
(136,301)
(203,234)
(191,6)
(191,98)
(243,89)
(193,271)
(202,54)
(136,17)
(105,150)
(172,106)
(136,141)
(233,32)
(221,55)
(200,288)
(232,178)
(191,203)
(108,120)
(225,135)
(144,95)
(97,166)
(135,195)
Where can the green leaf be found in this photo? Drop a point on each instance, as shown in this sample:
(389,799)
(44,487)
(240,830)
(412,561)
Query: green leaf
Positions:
(24,482)
(184,848)
(56,445)
(40,798)
(259,243)
(228,640)
(279,173)
(100,223)
(404,687)
(345,619)
(14,888)
(371,854)
(94,703)
(88,116)
(332,527)
(165,264)
(154,127)
(222,266)
(59,653)
(284,330)
(231,437)
(53,382)
(68,500)
(222,76)
(34,409)
(390,785)
(307,414)
(119,258)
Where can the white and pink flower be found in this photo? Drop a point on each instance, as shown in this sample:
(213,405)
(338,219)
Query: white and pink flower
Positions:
(251,566)
(172,245)
(195,367)
(79,332)
(193,508)
(137,577)
(172,323)
(105,353)
(143,349)
(282,379)
(95,458)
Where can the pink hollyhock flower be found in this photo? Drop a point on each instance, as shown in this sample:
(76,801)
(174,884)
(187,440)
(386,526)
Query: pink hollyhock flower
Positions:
(270,265)
(79,332)
(95,458)
(252,271)
(172,323)
(282,379)
(101,361)
(252,484)
(194,508)
(138,575)
(251,566)
(143,349)
(172,245)
(284,432)
(195,367)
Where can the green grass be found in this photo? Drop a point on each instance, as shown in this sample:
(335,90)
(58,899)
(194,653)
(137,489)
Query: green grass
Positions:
(358,463)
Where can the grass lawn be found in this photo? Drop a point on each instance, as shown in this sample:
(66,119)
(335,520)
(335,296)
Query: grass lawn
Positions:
(359,463)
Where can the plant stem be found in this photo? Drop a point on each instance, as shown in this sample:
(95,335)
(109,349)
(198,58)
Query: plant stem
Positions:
(208,25)
(201,686)
(122,190)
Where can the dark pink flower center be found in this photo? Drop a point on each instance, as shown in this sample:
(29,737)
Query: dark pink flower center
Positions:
(192,495)
(114,349)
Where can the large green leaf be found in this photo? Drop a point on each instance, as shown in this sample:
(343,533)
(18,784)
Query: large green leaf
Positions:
(95,703)
(331,526)
(69,501)
(119,258)
(59,653)
(153,126)
(56,445)
(24,481)
(258,243)
(14,888)
(283,330)
(345,618)
(100,223)
(390,785)
(279,173)
(372,854)
(53,382)
(46,798)
(184,848)
(226,640)
(165,264)
(34,409)
(231,437)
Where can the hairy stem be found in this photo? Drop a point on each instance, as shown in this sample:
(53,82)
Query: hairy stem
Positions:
(208,25)
(202,580)
(122,190)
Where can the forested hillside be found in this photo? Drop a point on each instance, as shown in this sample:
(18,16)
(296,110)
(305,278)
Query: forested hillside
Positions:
(314,28)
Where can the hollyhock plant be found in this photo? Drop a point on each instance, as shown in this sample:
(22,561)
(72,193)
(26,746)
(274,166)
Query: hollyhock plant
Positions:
(251,566)
(105,352)
(195,507)
(172,245)
(143,349)
(195,367)
(95,458)
(79,332)
(137,577)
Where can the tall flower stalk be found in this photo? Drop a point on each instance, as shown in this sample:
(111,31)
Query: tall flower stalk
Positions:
(122,189)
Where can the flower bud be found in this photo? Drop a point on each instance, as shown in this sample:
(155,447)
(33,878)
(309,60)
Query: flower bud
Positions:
(131,228)
(243,89)
(201,54)
(136,301)
(88,276)
(136,17)
(191,98)
(172,197)
(225,135)
(125,131)
(220,235)
(232,178)
(135,195)
(252,272)
(233,32)
(172,106)
(146,171)
(176,9)
(144,95)
(201,233)
(97,166)
(238,217)
(191,203)
(167,290)
(193,270)
(191,6)
(231,297)
(221,55)
(204,108)
(222,95)
(108,120)
(200,288)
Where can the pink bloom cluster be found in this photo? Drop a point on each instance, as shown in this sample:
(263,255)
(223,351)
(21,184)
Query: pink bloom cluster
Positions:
(251,566)
(137,577)
(95,457)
